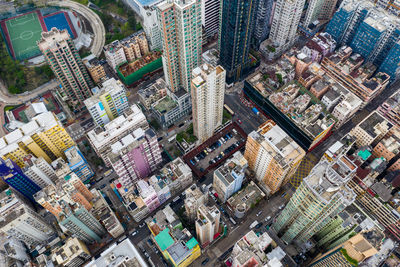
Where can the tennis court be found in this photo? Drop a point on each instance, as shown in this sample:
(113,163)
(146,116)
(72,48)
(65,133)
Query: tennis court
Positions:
(23,32)
(61,21)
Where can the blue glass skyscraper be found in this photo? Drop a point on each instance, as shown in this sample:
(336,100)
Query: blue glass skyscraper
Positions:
(391,64)
(12,174)
(237,22)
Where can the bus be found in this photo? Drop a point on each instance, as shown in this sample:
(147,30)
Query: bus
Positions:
(229,110)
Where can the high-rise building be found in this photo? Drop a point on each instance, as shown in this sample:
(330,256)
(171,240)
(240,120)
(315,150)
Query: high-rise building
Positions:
(207,224)
(228,178)
(12,174)
(321,195)
(194,198)
(208,89)
(284,25)
(273,155)
(71,188)
(80,223)
(39,171)
(352,252)
(210,16)
(102,211)
(263,18)
(73,253)
(236,27)
(78,164)
(107,103)
(101,139)
(135,156)
(181,33)
(390,64)
(346,20)
(60,52)
(70,201)
(44,136)
(375,36)
(319,10)
(20,221)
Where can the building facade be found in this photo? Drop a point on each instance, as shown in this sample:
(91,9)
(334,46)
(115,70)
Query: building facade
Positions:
(181,34)
(236,27)
(12,174)
(62,56)
(228,178)
(108,103)
(95,67)
(22,222)
(135,156)
(44,136)
(78,164)
(101,139)
(273,155)
(320,196)
(210,17)
(208,89)
(207,224)
(284,25)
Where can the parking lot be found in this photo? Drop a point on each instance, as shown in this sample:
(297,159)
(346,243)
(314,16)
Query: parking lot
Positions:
(216,149)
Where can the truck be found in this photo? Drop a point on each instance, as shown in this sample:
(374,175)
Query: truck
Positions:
(255,111)
(253,224)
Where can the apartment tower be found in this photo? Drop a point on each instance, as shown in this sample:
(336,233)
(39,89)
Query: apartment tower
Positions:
(236,28)
(181,34)
(62,56)
(320,197)
(273,155)
(286,19)
(208,89)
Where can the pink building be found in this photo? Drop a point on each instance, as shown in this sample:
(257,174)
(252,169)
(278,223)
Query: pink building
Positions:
(148,195)
(135,156)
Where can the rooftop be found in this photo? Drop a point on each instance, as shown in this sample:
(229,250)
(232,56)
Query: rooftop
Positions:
(328,180)
(132,118)
(372,124)
(246,196)
(165,104)
(118,253)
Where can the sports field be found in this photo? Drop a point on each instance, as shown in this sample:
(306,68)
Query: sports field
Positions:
(61,21)
(23,32)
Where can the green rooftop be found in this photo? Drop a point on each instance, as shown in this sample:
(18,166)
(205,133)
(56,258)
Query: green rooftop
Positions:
(192,243)
(165,104)
(364,154)
(67,177)
(164,239)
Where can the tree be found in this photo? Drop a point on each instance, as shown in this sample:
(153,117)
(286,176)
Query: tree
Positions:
(13,89)
(132,21)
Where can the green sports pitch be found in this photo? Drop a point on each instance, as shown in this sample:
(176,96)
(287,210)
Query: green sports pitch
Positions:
(23,32)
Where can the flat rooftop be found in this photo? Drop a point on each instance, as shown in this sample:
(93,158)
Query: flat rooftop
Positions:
(165,104)
(247,196)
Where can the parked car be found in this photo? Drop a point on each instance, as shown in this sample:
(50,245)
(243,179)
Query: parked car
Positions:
(259,213)
(239,121)
(268,218)
(205,261)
